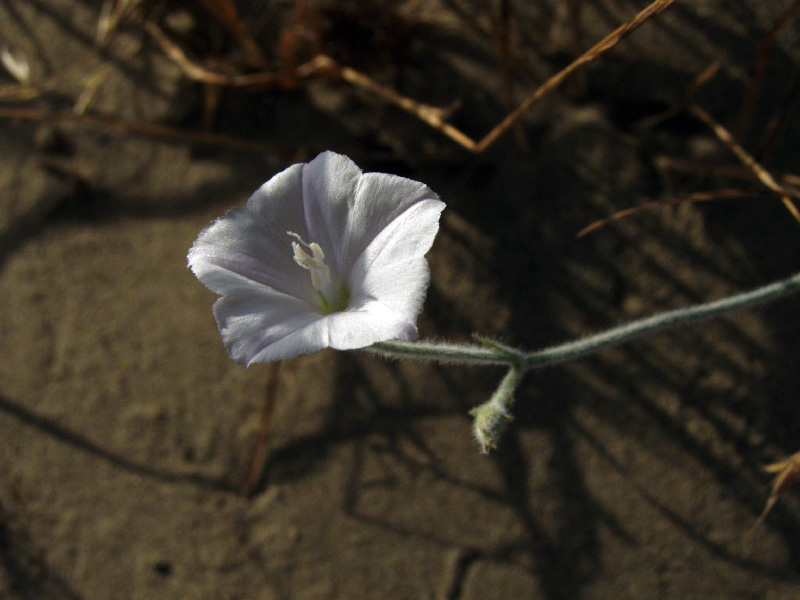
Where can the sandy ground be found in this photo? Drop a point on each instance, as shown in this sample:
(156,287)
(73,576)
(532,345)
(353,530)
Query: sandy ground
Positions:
(126,431)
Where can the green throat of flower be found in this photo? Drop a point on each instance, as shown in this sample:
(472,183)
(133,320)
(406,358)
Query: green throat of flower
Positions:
(337,303)
(330,297)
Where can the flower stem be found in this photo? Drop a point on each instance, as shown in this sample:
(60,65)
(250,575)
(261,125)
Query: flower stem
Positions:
(488,354)
(461,354)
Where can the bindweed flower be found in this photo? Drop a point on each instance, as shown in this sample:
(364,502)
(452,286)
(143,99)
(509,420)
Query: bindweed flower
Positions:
(322,255)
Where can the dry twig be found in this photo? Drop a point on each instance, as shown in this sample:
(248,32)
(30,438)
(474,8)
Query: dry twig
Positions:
(501,32)
(688,97)
(703,169)
(146,129)
(786,473)
(752,166)
(778,120)
(604,45)
(324,66)
(574,11)
(726,194)
(760,67)
(258,456)
(317,67)
(760,172)
(225,12)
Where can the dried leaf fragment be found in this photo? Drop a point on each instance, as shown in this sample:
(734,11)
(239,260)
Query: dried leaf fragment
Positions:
(787,471)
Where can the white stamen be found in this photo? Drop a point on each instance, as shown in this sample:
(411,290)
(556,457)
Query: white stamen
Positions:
(315,264)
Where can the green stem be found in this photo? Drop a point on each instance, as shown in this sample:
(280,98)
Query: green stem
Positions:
(487,354)
(470,354)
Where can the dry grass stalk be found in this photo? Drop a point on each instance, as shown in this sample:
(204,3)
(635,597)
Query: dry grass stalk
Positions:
(753,168)
(324,66)
(604,45)
(760,67)
(688,97)
(700,169)
(432,115)
(574,11)
(501,33)
(725,194)
(760,172)
(320,66)
(778,121)
(146,129)
(791,180)
(19,91)
(91,85)
(258,456)
(111,13)
(786,472)
(225,12)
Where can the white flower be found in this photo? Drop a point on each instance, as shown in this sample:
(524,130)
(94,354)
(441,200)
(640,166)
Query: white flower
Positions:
(322,255)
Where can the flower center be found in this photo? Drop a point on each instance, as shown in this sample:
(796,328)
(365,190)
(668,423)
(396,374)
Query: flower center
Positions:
(330,298)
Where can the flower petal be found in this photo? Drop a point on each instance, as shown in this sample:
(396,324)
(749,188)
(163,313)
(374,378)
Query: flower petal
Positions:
(239,243)
(253,327)
(380,199)
(366,324)
(278,204)
(354,328)
(392,269)
(329,184)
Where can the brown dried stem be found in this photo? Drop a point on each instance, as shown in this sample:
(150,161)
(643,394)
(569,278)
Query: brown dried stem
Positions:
(753,168)
(786,471)
(574,11)
(725,194)
(432,115)
(317,67)
(760,67)
(324,66)
(688,97)
(500,30)
(225,12)
(760,172)
(146,129)
(604,45)
(258,456)
(778,121)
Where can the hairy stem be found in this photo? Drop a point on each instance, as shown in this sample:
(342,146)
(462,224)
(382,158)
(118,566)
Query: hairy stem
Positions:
(490,354)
